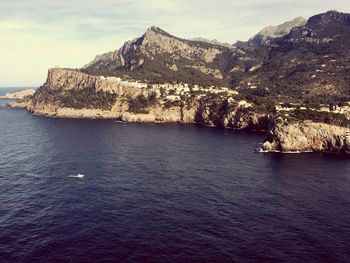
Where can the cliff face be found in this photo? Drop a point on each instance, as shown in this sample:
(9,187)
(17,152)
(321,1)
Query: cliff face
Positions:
(67,87)
(306,137)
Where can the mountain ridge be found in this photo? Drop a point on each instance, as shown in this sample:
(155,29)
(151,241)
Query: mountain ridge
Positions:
(269,33)
(162,57)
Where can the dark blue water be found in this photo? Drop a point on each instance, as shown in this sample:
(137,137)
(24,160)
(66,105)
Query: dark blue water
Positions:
(164,193)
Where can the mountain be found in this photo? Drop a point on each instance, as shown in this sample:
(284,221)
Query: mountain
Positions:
(310,64)
(298,61)
(272,32)
(158,57)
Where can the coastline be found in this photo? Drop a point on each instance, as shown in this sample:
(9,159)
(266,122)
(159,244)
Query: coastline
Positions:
(214,108)
(293,138)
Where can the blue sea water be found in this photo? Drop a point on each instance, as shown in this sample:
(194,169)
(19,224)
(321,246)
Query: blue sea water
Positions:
(164,193)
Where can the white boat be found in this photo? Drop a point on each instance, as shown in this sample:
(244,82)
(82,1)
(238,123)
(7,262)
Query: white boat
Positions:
(78,176)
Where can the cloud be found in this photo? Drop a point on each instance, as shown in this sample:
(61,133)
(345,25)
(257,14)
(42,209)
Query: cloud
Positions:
(39,34)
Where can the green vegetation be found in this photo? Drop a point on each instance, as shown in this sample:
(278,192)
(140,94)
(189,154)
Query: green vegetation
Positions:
(87,98)
(156,71)
(324,117)
(141,103)
(261,98)
(169,104)
(46,95)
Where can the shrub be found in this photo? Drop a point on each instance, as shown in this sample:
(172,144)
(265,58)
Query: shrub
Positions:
(87,98)
(324,117)
(138,105)
(141,103)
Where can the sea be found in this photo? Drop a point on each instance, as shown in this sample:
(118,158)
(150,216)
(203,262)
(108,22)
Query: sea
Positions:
(163,193)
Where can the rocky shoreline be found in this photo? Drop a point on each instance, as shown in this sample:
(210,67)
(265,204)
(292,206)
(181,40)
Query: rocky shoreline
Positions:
(298,137)
(306,136)
(193,110)
(282,135)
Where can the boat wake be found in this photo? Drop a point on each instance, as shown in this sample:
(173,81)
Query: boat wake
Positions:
(78,176)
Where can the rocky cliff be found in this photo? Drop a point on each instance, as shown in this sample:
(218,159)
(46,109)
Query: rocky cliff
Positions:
(67,93)
(306,136)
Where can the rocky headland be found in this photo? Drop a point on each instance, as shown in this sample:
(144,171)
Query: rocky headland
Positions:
(130,101)
(306,136)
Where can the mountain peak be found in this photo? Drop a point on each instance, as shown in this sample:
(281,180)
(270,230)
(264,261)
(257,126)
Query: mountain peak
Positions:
(283,29)
(156,30)
(299,20)
(154,35)
(153,29)
(272,32)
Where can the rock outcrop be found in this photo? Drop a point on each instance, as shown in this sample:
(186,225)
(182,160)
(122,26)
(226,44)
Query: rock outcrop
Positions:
(306,136)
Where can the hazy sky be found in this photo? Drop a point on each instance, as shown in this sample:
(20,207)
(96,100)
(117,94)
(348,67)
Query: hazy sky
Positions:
(39,34)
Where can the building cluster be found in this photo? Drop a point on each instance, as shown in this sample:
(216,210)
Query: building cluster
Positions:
(324,108)
(173,92)
(125,83)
